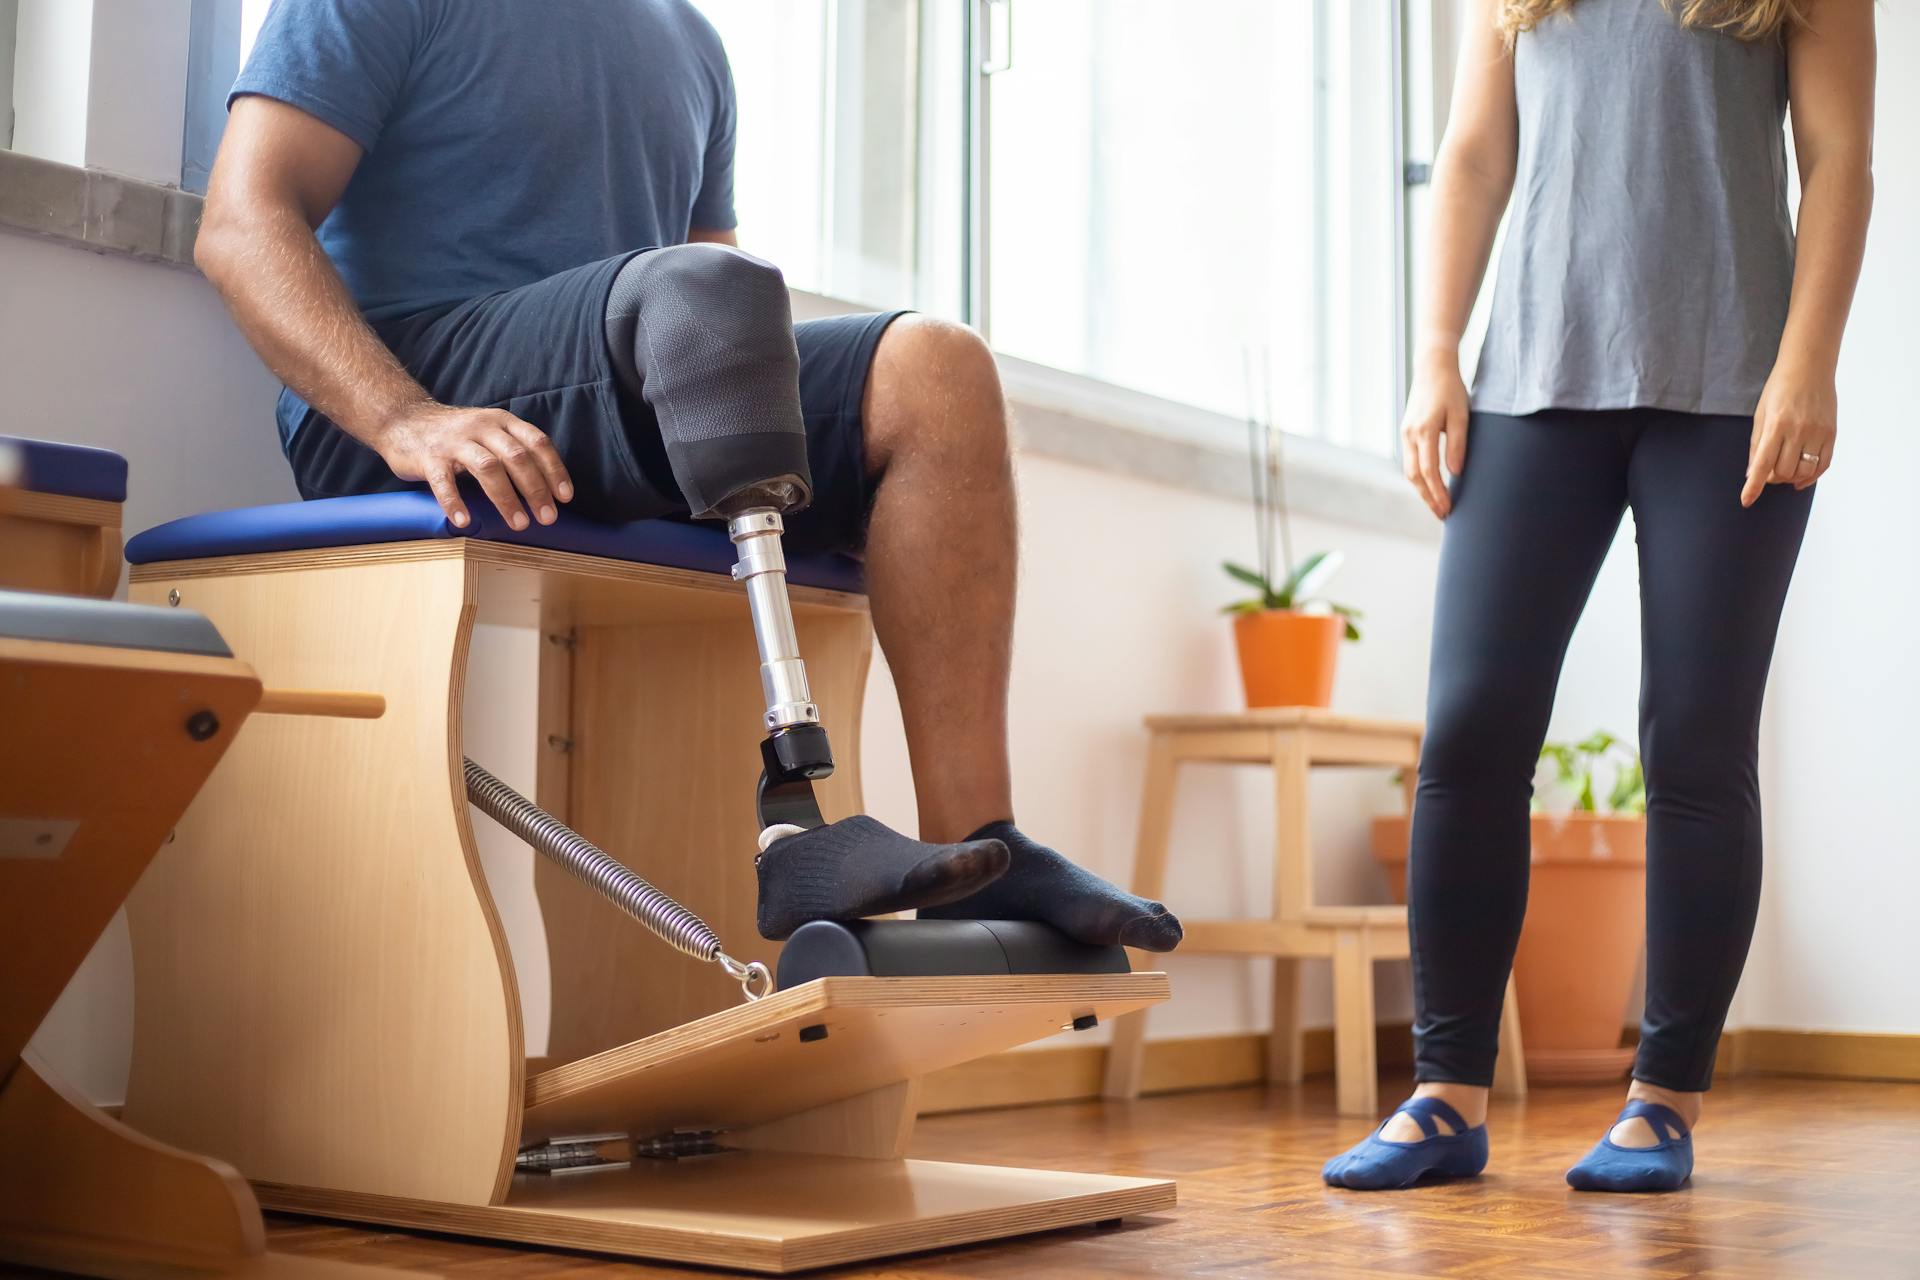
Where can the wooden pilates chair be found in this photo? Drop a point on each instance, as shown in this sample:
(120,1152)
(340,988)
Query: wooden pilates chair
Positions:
(111,718)
(326,997)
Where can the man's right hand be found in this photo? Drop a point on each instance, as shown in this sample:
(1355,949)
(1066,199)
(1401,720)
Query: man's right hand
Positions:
(511,460)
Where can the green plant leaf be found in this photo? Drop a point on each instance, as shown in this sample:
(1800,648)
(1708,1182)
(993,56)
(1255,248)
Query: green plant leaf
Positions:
(1241,573)
(1245,606)
(1563,759)
(1585,803)
(1597,743)
(1629,794)
(1353,632)
(1311,574)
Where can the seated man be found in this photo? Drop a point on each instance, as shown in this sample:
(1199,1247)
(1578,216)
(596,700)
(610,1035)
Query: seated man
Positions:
(425,215)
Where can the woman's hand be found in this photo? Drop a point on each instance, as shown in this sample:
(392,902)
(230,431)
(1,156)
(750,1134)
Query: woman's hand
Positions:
(1793,431)
(1436,408)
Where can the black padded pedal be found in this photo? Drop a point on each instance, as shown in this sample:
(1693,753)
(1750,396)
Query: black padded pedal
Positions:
(937,948)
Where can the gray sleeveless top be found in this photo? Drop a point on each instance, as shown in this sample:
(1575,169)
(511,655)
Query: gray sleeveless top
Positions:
(1649,252)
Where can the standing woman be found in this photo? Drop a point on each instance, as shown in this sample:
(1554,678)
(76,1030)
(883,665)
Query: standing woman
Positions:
(1657,343)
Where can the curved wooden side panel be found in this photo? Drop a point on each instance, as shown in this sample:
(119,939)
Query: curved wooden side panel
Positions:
(323,996)
(665,751)
(80,1191)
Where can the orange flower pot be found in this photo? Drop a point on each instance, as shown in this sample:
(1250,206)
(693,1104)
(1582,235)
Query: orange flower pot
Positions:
(1581,944)
(1287,657)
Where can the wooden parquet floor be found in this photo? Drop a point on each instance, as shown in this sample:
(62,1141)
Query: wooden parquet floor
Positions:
(1796,1178)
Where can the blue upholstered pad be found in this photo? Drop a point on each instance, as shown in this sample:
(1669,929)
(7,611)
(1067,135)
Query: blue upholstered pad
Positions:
(415,516)
(70,470)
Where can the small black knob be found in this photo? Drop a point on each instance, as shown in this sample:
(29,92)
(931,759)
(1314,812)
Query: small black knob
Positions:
(818,1031)
(202,725)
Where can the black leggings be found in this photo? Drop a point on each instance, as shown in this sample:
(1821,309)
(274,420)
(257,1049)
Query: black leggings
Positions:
(1534,511)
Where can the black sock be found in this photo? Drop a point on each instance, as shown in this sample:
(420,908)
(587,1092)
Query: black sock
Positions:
(1042,885)
(858,867)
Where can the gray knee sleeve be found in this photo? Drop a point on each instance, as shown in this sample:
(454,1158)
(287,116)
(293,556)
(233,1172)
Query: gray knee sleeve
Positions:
(704,333)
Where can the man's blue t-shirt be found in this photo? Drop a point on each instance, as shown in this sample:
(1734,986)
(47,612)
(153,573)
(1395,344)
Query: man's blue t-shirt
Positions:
(504,140)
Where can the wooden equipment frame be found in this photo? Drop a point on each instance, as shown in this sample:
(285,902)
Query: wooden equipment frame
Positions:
(326,999)
(1290,741)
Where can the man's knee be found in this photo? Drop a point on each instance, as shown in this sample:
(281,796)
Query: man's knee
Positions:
(935,385)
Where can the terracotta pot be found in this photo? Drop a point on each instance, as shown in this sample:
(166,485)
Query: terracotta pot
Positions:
(1580,946)
(1287,657)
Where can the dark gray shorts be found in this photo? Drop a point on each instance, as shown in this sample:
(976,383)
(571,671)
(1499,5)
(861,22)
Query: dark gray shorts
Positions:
(540,352)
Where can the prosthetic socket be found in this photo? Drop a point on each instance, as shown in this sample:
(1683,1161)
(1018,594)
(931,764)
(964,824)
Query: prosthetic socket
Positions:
(704,334)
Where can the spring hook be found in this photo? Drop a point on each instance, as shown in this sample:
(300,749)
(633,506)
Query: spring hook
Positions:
(754,978)
(672,923)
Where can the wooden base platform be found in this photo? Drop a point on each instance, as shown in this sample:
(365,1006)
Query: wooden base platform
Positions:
(762,1211)
(825,1042)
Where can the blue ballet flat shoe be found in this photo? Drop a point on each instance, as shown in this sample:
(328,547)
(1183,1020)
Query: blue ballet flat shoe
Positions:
(1375,1164)
(1665,1166)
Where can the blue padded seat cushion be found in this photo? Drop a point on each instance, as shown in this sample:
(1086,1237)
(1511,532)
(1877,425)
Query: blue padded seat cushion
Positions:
(70,470)
(414,516)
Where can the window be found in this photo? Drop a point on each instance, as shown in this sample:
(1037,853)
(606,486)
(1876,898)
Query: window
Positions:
(46,47)
(850,161)
(1175,189)
(1142,193)
(9,31)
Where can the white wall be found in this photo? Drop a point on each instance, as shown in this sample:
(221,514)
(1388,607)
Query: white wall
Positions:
(139,358)
(1837,948)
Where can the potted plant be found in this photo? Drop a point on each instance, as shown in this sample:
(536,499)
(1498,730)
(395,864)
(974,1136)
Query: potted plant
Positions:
(1586,908)
(1288,636)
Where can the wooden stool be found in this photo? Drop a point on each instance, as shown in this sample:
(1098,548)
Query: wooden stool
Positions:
(326,998)
(60,517)
(1290,741)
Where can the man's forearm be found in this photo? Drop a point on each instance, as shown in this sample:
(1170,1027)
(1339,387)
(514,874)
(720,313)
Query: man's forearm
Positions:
(294,309)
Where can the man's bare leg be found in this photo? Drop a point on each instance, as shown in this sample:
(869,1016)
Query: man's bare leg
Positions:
(941,552)
(942,549)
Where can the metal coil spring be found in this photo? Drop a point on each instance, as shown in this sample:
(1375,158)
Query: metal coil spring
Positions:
(675,925)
